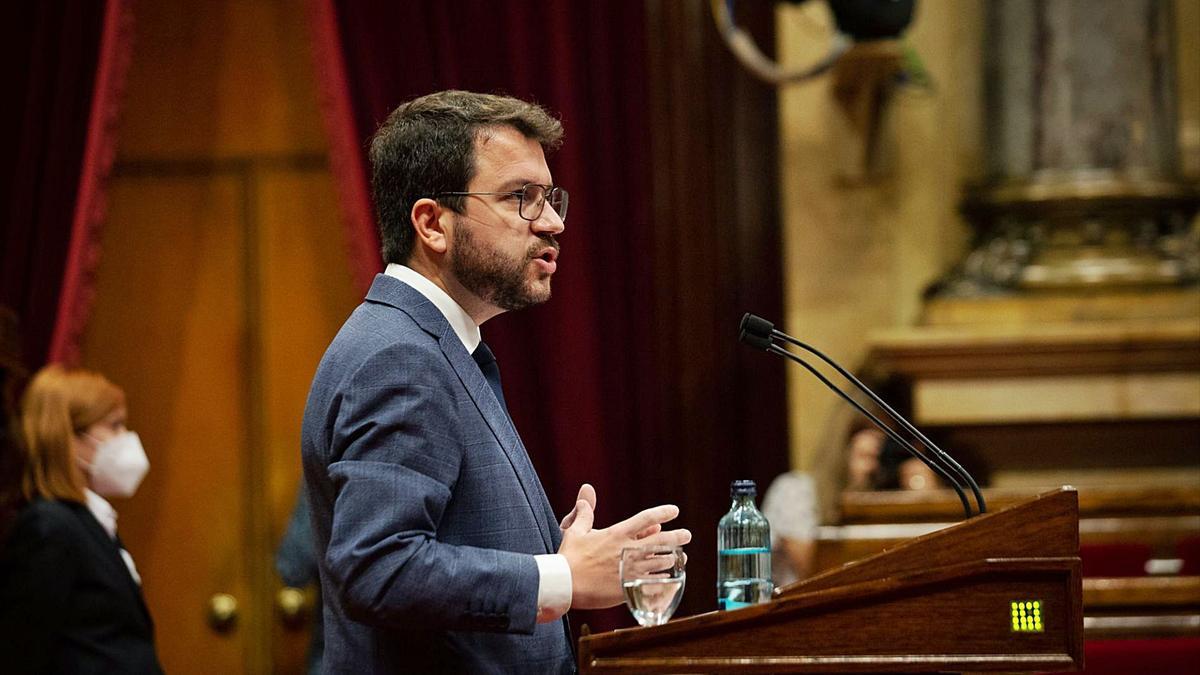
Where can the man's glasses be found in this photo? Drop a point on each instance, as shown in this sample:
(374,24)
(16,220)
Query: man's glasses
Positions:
(533,199)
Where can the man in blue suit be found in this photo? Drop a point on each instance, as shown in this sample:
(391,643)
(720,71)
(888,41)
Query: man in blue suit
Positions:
(439,550)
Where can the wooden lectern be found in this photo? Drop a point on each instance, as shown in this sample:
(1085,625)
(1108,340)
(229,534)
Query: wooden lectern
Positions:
(998,592)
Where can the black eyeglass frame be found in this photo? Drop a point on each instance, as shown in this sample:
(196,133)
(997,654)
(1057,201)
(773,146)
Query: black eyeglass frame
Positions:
(547,192)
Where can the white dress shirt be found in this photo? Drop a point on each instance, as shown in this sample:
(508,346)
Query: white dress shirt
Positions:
(554,574)
(106,515)
(790,505)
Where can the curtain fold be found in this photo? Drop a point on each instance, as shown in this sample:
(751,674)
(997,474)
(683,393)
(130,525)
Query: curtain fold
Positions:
(64,70)
(629,378)
(346,149)
(100,149)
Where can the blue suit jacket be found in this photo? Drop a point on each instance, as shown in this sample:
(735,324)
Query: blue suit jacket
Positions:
(425,504)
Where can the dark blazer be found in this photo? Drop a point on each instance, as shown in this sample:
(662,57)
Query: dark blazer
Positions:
(426,509)
(67,601)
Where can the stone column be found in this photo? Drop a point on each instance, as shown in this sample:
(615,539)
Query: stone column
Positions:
(1083,188)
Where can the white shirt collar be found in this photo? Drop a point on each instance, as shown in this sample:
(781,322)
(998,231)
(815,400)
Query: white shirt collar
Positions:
(464,326)
(106,515)
(104,512)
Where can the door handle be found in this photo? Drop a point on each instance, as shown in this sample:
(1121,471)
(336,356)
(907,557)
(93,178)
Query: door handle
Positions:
(222,612)
(294,606)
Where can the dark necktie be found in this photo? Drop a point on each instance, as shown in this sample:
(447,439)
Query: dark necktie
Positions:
(491,371)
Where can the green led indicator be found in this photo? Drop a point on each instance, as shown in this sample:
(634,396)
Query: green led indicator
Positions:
(1027,616)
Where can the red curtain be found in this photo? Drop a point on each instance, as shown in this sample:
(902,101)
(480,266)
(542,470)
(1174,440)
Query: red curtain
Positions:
(1163,656)
(63,76)
(597,383)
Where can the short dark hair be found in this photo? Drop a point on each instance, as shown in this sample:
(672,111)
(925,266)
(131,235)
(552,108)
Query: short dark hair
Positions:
(427,146)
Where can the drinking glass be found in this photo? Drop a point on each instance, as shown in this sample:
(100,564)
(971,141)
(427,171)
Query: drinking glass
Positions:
(653,578)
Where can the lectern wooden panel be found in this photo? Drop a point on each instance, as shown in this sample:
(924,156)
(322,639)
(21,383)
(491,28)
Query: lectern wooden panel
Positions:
(1000,592)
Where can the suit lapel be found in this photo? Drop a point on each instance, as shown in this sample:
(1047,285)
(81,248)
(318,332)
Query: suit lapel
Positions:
(134,585)
(502,427)
(110,553)
(403,297)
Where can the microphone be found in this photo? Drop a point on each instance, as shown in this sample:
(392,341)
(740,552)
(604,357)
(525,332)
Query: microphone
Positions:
(756,332)
(758,328)
(759,333)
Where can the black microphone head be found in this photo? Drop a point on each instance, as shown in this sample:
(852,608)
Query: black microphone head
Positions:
(756,325)
(756,341)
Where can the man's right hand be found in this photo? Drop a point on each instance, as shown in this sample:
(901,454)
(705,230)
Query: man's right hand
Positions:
(594,554)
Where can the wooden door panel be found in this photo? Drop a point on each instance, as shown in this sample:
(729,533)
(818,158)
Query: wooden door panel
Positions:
(167,326)
(305,294)
(221,79)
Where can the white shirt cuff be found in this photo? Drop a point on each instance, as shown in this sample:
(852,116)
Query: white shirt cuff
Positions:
(554,587)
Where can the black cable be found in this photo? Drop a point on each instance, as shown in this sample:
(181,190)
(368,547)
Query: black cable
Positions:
(933,466)
(941,454)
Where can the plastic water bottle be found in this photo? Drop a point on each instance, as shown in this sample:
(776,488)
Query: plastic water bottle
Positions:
(743,551)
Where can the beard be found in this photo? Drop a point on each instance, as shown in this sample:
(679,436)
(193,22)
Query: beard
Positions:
(498,280)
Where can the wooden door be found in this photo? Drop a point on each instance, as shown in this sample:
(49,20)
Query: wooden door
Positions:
(305,294)
(216,295)
(223,275)
(169,327)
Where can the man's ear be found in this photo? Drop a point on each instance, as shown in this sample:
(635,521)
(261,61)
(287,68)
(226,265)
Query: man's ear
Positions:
(426,219)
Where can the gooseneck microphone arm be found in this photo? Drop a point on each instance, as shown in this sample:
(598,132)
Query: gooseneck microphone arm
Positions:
(759,333)
(937,468)
(899,419)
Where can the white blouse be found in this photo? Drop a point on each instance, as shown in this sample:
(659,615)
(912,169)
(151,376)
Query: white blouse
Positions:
(106,515)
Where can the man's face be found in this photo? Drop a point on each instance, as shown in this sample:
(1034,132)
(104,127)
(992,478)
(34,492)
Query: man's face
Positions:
(503,259)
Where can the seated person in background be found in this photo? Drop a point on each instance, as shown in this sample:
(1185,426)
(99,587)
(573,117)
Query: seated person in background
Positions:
(70,596)
(790,505)
(873,462)
(876,462)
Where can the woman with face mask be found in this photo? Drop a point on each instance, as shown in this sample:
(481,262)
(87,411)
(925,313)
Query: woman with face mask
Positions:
(70,594)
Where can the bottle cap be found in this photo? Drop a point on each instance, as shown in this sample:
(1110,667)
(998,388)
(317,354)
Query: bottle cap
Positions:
(743,488)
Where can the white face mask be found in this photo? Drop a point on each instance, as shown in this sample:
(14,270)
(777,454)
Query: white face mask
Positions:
(119,466)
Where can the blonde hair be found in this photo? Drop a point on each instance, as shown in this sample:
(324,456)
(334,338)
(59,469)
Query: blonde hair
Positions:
(58,404)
